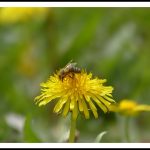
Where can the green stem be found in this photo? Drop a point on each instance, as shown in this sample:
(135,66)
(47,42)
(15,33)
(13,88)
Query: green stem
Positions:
(127,135)
(72,130)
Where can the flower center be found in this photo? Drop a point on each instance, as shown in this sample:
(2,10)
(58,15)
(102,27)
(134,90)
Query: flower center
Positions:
(74,83)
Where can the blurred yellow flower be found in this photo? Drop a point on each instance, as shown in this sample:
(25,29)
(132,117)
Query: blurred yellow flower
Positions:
(16,14)
(79,93)
(129,107)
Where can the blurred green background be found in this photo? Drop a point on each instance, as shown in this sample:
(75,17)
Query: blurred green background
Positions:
(112,43)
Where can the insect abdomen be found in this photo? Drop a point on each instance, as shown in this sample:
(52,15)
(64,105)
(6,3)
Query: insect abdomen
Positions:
(75,70)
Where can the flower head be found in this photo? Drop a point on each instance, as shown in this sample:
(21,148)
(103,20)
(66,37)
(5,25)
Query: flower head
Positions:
(129,107)
(19,14)
(77,93)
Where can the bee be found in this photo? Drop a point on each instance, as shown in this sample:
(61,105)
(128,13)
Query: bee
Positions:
(69,69)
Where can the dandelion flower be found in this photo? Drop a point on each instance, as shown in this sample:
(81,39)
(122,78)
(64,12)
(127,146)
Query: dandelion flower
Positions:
(19,14)
(79,93)
(129,107)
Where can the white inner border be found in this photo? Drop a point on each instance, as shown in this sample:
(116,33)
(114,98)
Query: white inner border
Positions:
(74,145)
(74,4)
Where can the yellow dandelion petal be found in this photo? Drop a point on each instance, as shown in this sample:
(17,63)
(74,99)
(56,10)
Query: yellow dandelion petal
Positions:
(77,92)
(66,108)
(100,104)
(60,104)
(85,108)
(109,95)
(104,101)
(114,107)
(109,99)
(75,111)
(142,108)
(72,103)
(80,106)
(94,109)
(92,106)
(87,98)
(44,99)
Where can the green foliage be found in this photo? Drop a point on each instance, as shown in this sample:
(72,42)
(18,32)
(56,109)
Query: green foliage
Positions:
(28,134)
(99,137)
